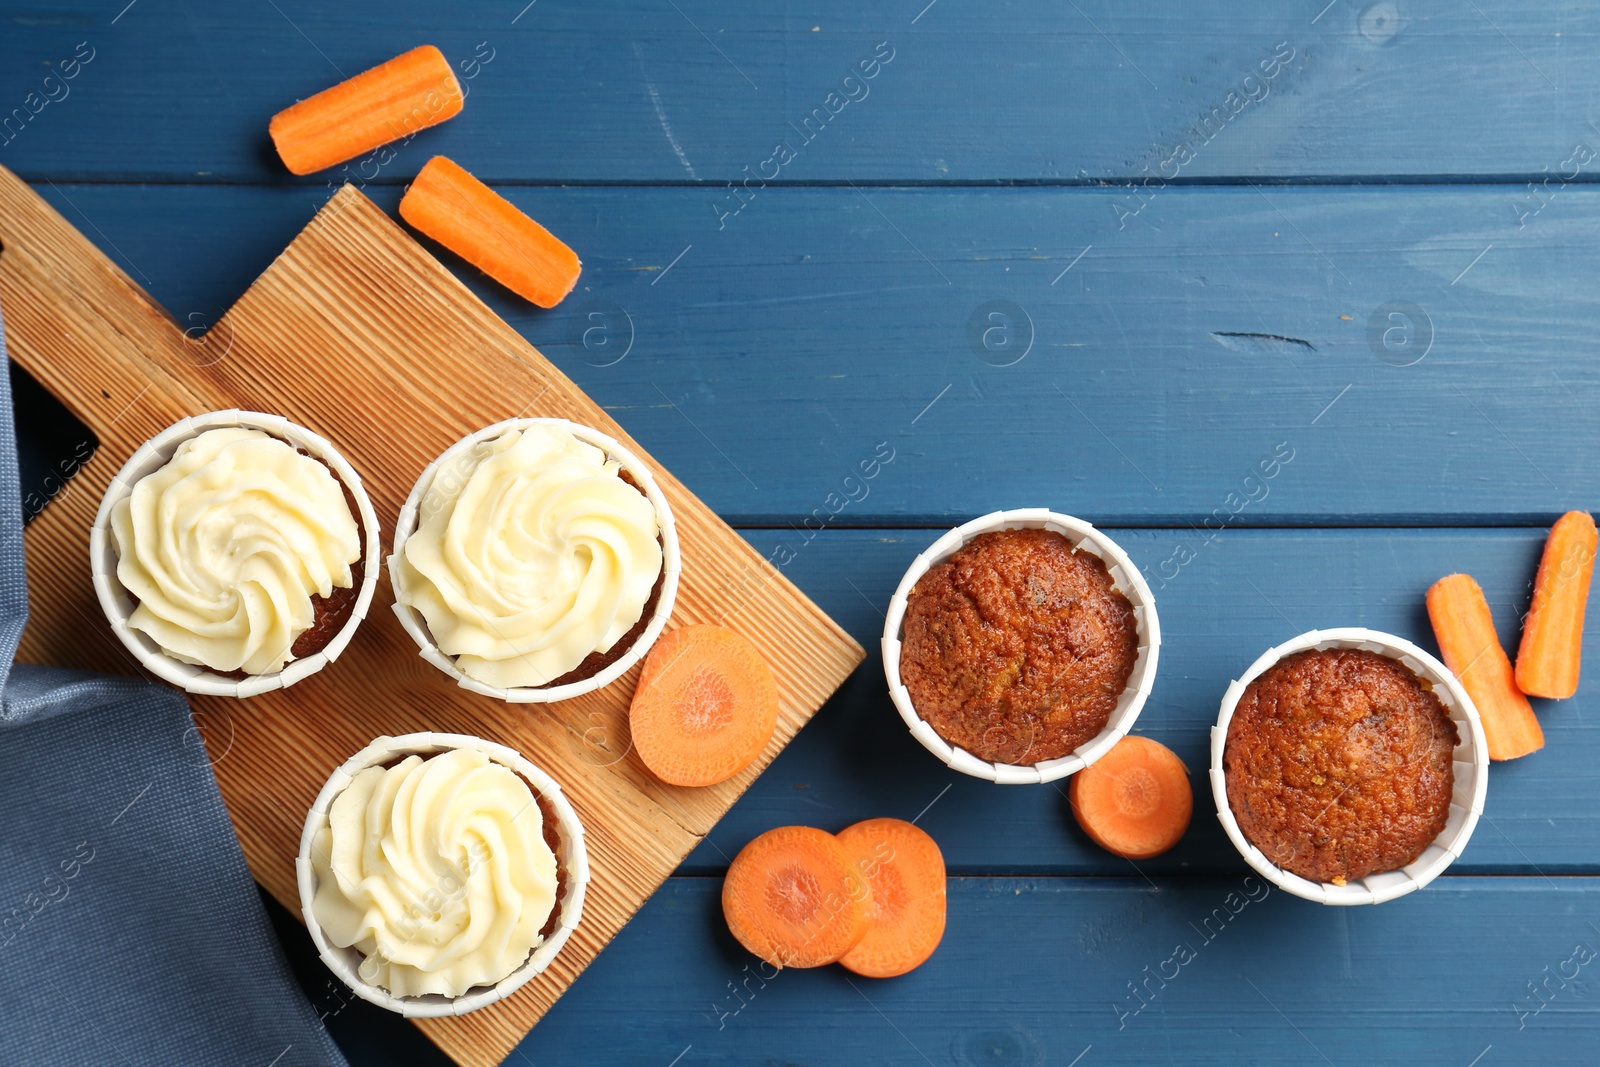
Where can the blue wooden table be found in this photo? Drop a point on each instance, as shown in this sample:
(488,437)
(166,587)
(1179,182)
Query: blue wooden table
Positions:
(1102,256)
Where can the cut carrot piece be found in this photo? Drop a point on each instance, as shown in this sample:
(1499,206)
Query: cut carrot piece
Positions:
(487,230)
(905,870)
(1471,649)
(1552,636)
(1135,801)
(392,100)
(794,898)
(705,706)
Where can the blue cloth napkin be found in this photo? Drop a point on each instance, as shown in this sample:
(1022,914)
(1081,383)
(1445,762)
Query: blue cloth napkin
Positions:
(130,930)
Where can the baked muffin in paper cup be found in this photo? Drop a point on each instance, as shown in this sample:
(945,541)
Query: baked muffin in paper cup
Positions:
(273,542)
(1470,762)
(426,911)
(1126,580)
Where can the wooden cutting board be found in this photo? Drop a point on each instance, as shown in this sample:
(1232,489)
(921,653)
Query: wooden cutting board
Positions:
(357,332)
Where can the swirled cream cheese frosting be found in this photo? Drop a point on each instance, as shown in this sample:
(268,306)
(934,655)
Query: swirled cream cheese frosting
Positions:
(437,871)
(226,545)
(530,553)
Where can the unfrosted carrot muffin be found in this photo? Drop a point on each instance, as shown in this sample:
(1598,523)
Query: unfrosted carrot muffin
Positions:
(1017,647)
(1338,764)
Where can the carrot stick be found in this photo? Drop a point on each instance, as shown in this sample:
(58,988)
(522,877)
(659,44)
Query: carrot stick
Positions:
(410,92)
(705,706)
(1135,801)
(1552,636)
(486,230)
(1471,649)
(794,897)
(905,869)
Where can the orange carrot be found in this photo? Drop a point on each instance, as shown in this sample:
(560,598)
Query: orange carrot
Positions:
(905,870)
(1471,649)
(487,230)
(705,706)
(794,898)
(1552,636)
(1135,801)
(411,92)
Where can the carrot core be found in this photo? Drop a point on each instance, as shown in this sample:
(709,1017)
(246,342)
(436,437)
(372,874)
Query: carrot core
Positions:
(707,705)
(794,895)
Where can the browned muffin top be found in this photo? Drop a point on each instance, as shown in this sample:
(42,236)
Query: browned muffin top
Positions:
(1017,647)
(1338,764)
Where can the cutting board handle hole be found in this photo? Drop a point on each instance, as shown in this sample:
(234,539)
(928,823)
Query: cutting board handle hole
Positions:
(52,445)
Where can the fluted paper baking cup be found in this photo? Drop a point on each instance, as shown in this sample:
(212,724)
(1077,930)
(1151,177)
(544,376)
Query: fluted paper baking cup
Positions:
(1125,578)
(1471,760)
(417,626)
(119,605)
(346,962)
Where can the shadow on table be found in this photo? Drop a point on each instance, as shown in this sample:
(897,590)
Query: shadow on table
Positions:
(365,1033)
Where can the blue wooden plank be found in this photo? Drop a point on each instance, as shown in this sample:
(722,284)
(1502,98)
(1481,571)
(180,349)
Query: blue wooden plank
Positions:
(1237,597)
(1023,90)
(1412,354)
(1116,972)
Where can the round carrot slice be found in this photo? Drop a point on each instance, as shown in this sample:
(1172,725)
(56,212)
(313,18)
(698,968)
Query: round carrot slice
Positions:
(793,897)
(705,706)
(1134,801)
(905,869)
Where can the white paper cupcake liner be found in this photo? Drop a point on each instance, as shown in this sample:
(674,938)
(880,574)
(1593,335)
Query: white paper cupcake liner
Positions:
(119,605)
(1466,802)
(671,566)
(346,962)
(1125,578)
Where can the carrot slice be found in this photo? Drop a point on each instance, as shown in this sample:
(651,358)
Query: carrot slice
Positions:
(487,230)
(1471,649)
(794,898)
(411,92)
(1135,801)
(705,706)
(905,870)
(1552,636)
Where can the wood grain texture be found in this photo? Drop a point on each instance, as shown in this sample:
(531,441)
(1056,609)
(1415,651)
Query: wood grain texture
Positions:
(357,332)
(1166,364)
(1027,90)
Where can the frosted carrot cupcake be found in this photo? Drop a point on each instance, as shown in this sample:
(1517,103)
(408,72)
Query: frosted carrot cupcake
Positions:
(235,547)
(439,872)
(535,559)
